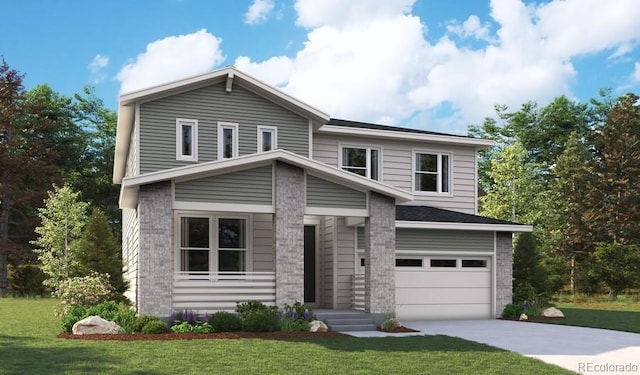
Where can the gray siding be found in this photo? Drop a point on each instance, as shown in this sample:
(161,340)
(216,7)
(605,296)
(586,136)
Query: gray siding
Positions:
(323,193)
(209,105)
(263,254)
(397,167)
(252,186)
(443,240)
(438,240)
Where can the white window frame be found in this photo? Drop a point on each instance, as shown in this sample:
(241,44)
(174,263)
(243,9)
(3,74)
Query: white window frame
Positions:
(180,122)
(439,155)
(234,127)
(368,149)
(274,137)
(214,245)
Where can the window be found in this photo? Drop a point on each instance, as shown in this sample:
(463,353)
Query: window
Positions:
(227,140)
(408,262)
(364,161)
(201,251)
(443,263)
(267,138)
(186,139)
(431,172)
(474,263)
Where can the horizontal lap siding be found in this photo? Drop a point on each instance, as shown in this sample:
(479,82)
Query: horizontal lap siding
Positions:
(252,186)
(130,251)
(322,193)
(397,167)
(263,254)
(210,105)
(132,157)
(441,240)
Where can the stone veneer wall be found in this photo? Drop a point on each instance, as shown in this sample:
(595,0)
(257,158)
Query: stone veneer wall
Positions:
(379,253)
(289,233)
(504,270)
(155,260)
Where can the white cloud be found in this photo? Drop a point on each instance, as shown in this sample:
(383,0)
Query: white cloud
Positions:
(258,11)
(274,71)
(98,63)
(172,58)
(472,27)
(635,76)
(314,13)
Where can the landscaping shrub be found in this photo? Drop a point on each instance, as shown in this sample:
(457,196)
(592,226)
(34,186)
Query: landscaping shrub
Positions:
(513,310)
(297,311)
(26,280)
(223,321)
(389,322)
(126,319)
(143,320)
(120,313)
(252,306)
(83,291)
(294,325)
(154,326)
(190,327)
(73,314)
(261,321)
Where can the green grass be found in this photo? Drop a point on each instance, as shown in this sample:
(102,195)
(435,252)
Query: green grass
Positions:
(28,346)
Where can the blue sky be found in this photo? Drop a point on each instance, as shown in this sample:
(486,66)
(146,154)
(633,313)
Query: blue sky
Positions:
(421,63)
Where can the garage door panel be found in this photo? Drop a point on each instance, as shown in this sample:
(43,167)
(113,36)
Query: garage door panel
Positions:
(429,296)
(443,311)
(428,278)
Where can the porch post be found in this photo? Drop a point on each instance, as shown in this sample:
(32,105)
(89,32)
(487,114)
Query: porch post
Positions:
(379,255)
(155,257)
(289,233)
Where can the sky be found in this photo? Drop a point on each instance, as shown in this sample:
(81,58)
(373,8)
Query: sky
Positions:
(426,64)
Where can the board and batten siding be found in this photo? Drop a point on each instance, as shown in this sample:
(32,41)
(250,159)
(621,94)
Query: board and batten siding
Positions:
(326,261)
(263,254)
(251,186)
(346,263)
(130,246)
(410,239)
(323,193)
(210,105)
(397,159)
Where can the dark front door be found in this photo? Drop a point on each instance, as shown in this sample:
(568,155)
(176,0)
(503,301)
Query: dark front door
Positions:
(309,264)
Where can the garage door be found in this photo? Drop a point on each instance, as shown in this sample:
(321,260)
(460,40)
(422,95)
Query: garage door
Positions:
(443,287)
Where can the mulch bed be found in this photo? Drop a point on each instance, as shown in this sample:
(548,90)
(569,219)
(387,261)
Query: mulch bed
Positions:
(207,336)
(401,329)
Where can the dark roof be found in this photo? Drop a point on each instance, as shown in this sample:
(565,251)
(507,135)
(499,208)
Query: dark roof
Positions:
(366,125)
(432,214)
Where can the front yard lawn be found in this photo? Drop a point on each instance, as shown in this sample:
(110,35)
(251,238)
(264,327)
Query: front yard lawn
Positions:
(28,345)
(602,315)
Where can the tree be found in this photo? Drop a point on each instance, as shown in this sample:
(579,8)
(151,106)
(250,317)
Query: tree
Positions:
(527,264)
(27,161)
(618,266)
(97,250)
(63,219)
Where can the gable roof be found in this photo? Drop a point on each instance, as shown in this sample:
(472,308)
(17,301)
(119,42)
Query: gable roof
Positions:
(130,185)
(339,126)
(438,218)
(229,75)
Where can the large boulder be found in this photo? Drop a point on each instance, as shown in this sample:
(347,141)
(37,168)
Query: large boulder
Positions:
(95,325)
(552,312)
(318,326)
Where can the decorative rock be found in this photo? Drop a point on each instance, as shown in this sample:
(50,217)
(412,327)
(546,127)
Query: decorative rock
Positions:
(552,312)
(318,326)
(95,325)
(524,316)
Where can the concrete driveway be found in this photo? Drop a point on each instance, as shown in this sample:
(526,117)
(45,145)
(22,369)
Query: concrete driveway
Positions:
(583,350)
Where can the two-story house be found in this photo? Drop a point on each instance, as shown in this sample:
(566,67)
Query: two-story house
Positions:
(233,190)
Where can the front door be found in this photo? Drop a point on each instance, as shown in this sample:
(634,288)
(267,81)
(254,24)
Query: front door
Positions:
(309,264)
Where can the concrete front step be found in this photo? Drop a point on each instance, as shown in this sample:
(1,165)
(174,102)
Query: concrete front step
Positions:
(346,320)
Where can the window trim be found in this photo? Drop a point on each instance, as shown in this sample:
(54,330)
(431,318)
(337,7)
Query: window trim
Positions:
(368,149)
(439,155)
(235,128)
(194,129)
(214,245)
(274,137)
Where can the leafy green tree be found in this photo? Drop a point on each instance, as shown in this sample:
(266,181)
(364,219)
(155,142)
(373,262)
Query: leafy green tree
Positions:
(618,266)
(63,220)
(527,264)
(97,250)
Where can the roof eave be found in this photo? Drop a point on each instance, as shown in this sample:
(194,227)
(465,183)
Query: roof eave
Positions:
(514,228)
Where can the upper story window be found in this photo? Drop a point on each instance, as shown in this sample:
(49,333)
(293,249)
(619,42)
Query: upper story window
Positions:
(227,140)
(364,161)
(267,138)
(186,139)
(432,172)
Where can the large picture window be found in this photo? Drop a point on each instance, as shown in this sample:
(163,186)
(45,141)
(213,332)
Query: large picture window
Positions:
(213,243)
(432,172)
(186,139)
(364,161)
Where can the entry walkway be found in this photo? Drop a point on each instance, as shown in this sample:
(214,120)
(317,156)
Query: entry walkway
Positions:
(583,350)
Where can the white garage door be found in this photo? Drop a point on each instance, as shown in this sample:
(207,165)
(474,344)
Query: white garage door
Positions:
(443,287)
